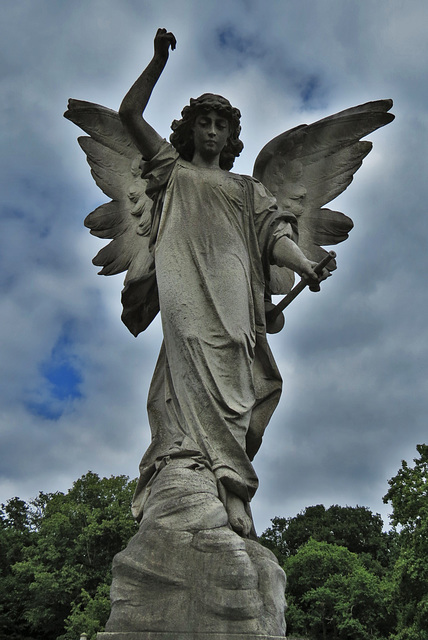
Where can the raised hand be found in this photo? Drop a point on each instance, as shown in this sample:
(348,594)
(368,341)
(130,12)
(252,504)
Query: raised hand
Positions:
(163,41)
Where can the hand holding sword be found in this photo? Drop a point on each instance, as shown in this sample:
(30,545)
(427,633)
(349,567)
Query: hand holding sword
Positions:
(274,317)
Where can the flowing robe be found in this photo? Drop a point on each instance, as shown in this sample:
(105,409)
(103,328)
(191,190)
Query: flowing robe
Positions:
(216,384)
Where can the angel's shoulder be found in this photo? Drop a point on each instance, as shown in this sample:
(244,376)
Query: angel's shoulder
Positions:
(165,153)
(252,182)
(258,189)
(158,170)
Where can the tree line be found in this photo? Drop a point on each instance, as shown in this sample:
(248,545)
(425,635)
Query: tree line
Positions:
(347,579)
(350,580)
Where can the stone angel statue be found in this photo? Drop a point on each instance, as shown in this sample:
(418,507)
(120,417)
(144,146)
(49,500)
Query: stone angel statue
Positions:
(208,248)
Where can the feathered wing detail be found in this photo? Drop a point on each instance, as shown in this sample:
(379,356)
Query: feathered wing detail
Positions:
(126,220)
(307,167)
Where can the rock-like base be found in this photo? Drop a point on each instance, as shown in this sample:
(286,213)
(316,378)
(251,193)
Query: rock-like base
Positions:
(172,635)
(186,575)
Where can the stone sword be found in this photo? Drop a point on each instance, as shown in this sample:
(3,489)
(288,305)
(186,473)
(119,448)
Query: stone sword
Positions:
(274,317)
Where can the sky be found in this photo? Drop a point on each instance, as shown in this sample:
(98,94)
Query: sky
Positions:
(354,357)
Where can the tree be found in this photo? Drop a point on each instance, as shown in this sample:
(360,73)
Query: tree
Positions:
(355,528)
(332,595)
(17,534)
(408,494)
(89,613)
(66,567)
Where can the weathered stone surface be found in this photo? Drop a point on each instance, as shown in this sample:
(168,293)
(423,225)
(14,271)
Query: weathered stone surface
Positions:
(207,248)
(187,572)
(172,635)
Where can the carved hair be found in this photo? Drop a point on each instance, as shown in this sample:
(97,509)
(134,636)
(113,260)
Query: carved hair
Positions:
(182,135)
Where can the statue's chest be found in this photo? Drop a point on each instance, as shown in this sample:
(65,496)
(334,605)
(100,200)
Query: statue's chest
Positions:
(209,190)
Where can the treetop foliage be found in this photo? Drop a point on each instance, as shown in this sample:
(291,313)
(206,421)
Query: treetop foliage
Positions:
(355,528)
(56,552)
(408,494)
(347,578)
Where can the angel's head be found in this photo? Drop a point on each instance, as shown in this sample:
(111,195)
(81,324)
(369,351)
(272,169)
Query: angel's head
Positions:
(182,130)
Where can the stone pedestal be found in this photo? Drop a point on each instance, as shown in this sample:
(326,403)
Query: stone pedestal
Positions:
(186,575)
(156,635)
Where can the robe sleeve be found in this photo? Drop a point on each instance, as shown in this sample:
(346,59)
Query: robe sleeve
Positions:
(270,222)
(157,171)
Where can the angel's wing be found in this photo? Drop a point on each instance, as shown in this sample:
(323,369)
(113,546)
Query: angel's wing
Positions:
(115,167)
(307,167)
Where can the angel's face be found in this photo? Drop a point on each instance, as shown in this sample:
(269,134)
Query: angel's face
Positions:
(210,134)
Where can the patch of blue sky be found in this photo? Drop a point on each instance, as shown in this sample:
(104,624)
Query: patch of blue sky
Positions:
(64,380)
(309,89)
(313,91)
(229,38)
(12,213)
(61,381)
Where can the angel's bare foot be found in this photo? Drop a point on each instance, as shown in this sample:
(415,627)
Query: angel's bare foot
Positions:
(239,519)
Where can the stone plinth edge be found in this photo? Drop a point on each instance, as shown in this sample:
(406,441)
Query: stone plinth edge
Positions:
(173,635)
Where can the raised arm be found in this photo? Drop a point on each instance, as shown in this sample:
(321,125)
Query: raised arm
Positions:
(145,137)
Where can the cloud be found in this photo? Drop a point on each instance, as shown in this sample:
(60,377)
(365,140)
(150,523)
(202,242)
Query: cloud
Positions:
(353,358)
